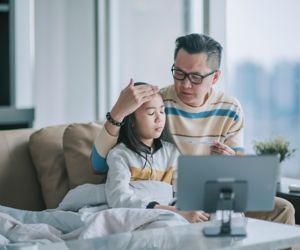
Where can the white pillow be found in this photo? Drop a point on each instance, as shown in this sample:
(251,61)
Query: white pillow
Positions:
(3,240)
(83,195)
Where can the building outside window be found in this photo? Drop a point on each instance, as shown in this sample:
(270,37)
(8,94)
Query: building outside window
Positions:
(263,63)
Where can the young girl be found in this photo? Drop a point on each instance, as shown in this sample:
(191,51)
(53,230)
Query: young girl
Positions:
(142,166)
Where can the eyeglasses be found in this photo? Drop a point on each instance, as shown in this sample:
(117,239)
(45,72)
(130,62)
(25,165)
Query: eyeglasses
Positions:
(193,77)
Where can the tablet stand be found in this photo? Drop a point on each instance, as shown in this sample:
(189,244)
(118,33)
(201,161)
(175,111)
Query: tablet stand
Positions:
(227,201)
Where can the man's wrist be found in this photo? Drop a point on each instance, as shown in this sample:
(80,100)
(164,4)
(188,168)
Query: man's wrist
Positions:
(111,127)
(116,115)
(114,122)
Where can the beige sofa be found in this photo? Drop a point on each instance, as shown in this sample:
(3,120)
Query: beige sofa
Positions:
(38,167)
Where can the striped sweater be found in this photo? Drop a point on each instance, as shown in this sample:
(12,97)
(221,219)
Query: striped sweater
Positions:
(192,128)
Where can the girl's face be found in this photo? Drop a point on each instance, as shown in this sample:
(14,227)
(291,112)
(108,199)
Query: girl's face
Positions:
(150,120)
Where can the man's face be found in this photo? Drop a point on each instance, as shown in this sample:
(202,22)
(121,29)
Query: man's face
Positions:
(191,94)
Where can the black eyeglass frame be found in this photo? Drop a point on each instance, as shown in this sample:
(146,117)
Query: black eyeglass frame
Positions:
(188,75)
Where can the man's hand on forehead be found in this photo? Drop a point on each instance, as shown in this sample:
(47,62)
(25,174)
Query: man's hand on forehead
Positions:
(132,97)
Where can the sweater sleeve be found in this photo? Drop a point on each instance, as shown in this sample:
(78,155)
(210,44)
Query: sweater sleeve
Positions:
(235,134)
(103,143)
(117,187)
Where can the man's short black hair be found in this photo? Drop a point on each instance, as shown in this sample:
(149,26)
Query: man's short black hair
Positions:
(199,43)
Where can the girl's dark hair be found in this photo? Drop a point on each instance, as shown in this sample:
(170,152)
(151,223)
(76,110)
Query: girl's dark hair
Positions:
(129,136)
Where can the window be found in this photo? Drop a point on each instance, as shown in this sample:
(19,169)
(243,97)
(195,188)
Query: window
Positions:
(137,38)
(263,63)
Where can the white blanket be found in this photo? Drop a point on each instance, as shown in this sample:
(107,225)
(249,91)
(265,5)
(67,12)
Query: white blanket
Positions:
(56,225)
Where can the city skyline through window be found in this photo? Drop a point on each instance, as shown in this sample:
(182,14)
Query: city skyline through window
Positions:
(263,62)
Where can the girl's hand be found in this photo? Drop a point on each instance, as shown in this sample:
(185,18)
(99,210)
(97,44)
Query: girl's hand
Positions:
(194,216)
(218,148)
(190,216)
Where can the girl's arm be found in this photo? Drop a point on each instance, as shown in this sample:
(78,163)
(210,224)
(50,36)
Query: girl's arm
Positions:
(117,187)
(191,216)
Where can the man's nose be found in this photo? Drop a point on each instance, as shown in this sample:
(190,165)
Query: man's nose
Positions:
(186,82)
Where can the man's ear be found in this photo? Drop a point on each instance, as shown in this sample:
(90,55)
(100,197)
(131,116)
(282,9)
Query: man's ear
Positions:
(216,76)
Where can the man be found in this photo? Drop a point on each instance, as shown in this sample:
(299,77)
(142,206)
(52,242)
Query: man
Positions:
(200,120)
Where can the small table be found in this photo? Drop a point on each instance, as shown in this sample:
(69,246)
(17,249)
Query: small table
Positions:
(293,197)
(260,235)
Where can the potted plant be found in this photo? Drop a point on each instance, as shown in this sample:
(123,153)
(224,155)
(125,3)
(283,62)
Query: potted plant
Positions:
(278,145)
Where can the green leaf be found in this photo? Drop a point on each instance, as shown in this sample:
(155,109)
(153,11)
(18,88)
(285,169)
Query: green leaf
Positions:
(278,145)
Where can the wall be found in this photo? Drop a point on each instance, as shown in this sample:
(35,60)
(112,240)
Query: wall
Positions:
(24,52)
(64,82)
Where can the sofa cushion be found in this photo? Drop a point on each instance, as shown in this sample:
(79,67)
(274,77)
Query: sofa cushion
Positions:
(19,186)
(78,140)
(46,150)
